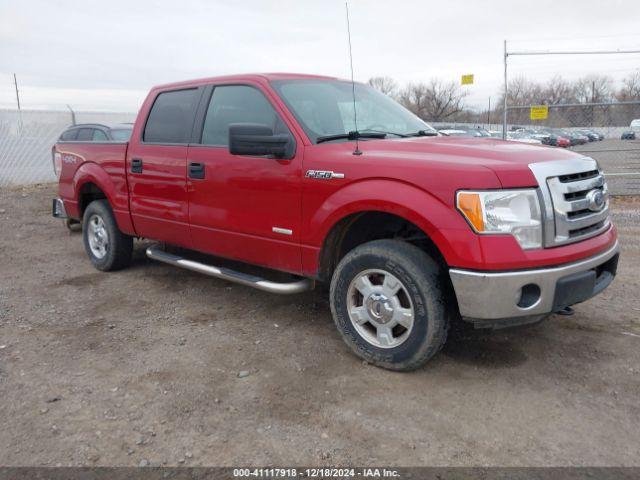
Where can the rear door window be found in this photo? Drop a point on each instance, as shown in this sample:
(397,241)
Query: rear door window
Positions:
(171,117)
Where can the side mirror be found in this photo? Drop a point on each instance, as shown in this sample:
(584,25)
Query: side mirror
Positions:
(257,139)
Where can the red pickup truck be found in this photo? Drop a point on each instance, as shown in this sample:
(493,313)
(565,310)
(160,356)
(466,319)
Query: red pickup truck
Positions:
(411,229)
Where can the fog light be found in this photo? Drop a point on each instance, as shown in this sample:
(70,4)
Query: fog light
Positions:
(529,295)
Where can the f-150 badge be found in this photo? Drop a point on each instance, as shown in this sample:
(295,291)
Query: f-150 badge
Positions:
(323,174)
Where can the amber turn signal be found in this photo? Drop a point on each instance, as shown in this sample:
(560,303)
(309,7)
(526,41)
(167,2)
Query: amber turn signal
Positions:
(470,205)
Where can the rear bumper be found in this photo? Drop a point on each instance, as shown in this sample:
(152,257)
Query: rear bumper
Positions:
(495,299)
(57,208)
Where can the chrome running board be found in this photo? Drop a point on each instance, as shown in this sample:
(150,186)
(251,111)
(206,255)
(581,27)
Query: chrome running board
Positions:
(302,285)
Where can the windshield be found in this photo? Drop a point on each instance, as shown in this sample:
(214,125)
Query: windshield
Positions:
(325,107)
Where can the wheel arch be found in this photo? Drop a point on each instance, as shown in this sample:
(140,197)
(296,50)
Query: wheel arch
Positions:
(92,182)
(363,226)
(376,209)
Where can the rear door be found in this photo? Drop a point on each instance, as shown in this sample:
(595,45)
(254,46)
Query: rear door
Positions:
(156,168)
(243,207)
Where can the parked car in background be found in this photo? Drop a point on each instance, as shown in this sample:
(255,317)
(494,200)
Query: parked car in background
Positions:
(91,132)
(480,132)
(556,140)
(635,125)
(465,132)
(523,138)
(451,132)
(574,138)
(96,132)
(591,135)
(628,135)
(599,135)
(543,137)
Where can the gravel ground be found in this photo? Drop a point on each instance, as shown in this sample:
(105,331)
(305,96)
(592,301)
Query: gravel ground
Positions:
(160,366)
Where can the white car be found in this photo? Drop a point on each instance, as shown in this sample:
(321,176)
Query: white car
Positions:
(635,124)
(455,133)
(515,137)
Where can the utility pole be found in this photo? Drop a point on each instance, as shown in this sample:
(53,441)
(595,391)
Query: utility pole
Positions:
(504,105)
(73,114)
(489,115)
(593,99)
(15,82)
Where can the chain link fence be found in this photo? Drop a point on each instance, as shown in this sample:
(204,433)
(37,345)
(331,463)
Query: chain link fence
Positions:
(617,152)
(26,139)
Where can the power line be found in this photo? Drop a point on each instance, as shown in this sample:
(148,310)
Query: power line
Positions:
(574,37)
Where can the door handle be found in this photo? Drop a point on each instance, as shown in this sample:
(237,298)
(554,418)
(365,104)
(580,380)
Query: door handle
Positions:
(196,170)
(136,165)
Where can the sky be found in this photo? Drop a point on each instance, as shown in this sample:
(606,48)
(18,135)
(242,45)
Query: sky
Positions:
(104,56)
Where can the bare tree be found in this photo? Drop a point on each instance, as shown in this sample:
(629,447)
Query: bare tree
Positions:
(435,100)
(558,91)
(594,88)
(386,85)
(630,87)
(524,92)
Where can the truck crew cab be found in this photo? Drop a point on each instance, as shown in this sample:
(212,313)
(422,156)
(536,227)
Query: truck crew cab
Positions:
(410,228)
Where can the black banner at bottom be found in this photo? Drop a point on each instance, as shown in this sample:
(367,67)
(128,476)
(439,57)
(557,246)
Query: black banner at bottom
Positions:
(291,473)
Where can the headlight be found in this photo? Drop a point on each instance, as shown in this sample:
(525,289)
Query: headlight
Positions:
(515,212)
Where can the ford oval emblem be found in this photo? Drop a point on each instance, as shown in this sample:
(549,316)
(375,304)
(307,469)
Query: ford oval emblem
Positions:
(596,200)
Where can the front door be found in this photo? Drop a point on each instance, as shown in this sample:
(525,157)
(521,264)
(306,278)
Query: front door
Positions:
(244,207)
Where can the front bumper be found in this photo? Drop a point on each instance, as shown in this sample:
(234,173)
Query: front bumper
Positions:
(495,299)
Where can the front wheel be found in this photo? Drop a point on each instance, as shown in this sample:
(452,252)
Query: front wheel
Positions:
(388,304)
(108,248)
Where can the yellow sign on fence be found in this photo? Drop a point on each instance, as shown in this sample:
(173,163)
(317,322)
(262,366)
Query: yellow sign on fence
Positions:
(467,79)
(539,112)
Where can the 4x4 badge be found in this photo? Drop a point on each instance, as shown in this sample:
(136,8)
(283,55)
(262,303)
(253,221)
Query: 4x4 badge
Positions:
(323,174)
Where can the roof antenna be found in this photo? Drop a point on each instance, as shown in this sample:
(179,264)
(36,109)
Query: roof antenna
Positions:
(357,151)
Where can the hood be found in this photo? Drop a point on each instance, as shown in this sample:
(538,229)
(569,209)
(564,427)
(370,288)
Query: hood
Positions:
(508,160)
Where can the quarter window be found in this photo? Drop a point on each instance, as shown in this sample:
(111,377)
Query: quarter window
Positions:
(171,117)
(237,104)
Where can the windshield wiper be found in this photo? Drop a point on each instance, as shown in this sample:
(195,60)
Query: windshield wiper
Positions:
(403,135)
(353,135)
(423,133)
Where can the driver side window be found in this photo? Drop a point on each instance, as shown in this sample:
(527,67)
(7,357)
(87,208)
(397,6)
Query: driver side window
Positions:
(237,104)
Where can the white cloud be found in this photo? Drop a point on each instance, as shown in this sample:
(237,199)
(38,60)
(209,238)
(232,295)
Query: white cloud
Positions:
(105,55)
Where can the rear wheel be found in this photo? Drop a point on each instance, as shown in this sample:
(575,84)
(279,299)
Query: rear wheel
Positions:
(108,248)
(388,304)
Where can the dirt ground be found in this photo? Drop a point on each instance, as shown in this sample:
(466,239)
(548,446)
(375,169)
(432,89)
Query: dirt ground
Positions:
(142,367)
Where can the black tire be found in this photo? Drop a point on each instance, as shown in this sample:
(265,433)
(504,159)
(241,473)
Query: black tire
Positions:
(420,276)
(119,247)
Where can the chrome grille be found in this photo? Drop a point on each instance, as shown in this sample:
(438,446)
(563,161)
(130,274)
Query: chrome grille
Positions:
(567,188)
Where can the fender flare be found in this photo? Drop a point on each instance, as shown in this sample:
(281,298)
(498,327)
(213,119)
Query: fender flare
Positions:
(399,198)
(90,172)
